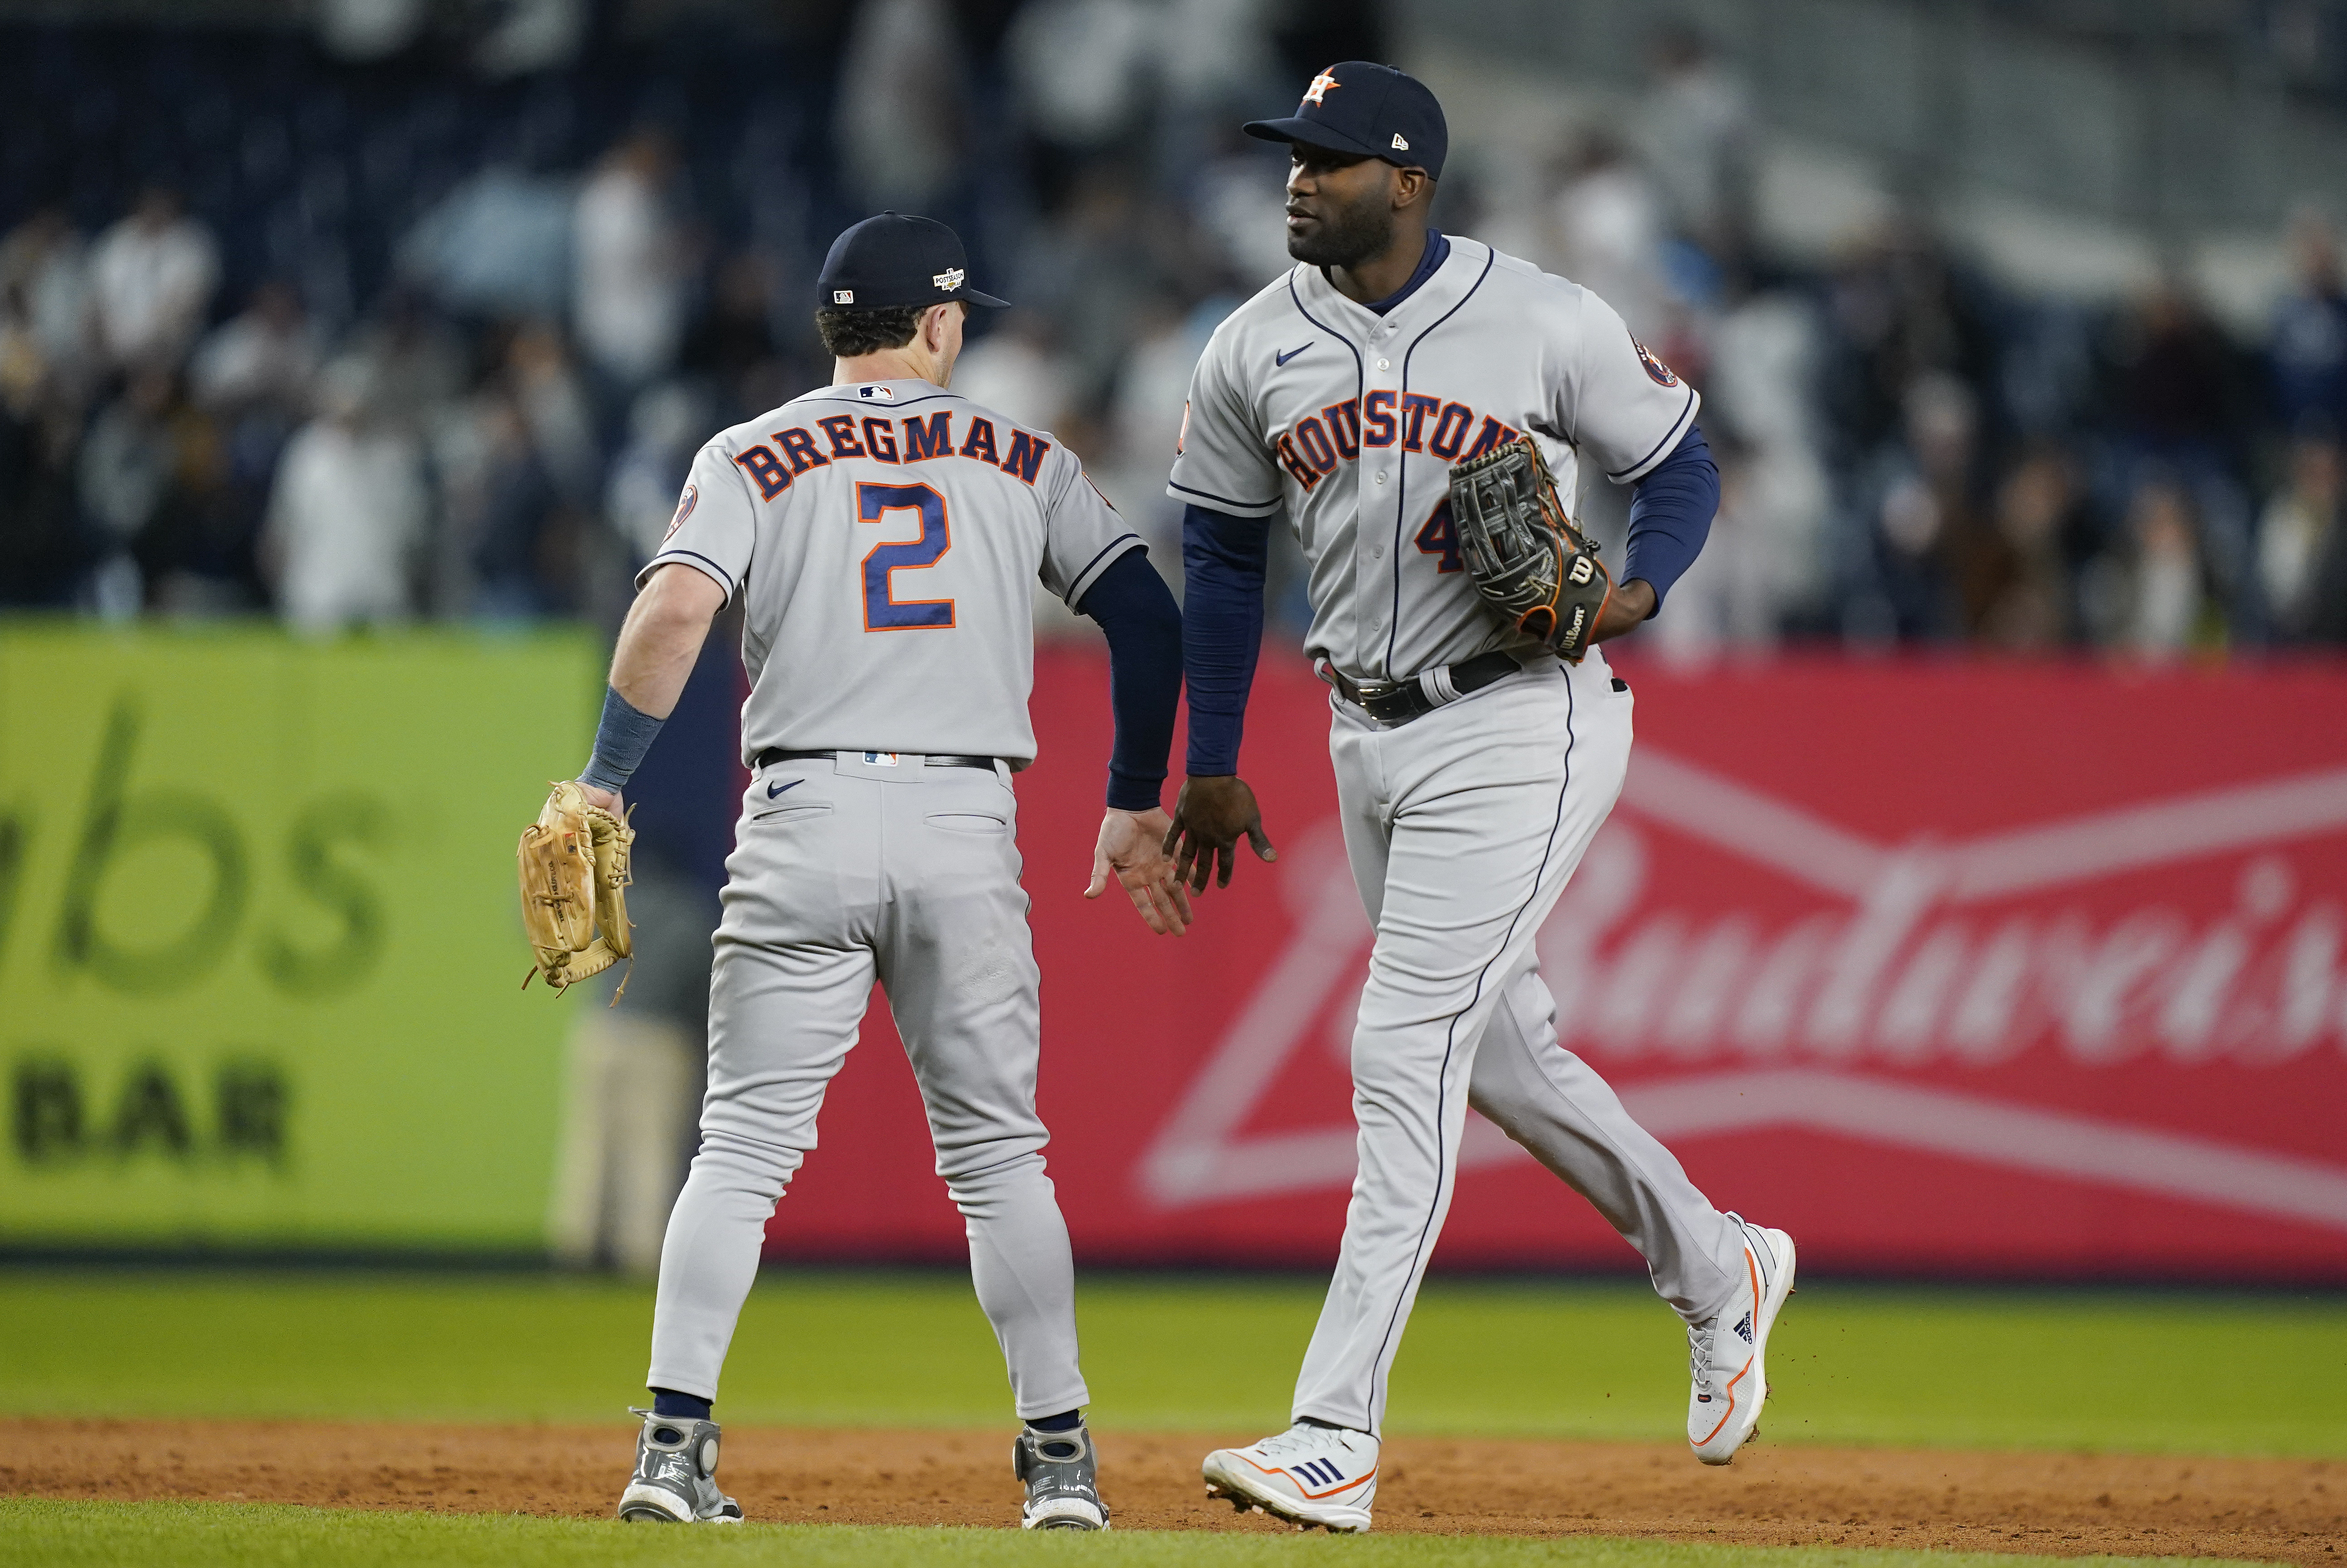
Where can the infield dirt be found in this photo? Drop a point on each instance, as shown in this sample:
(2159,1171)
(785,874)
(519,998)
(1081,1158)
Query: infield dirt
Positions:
(2291,1511)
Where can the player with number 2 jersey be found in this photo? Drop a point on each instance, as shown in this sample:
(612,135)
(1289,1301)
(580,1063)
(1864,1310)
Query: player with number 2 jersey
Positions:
(882,537)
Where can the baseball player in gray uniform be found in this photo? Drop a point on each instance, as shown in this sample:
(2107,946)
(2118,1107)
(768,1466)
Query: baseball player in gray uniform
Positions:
(884,537)
(1472,767)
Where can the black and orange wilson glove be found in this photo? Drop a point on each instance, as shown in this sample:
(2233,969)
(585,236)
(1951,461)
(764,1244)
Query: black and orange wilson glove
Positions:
(1526,559)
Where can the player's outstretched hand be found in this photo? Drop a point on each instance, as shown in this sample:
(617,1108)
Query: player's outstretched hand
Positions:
(1132,848)
(1208,818)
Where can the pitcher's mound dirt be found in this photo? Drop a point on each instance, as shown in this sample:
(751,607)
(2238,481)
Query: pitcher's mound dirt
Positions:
(2292,1511)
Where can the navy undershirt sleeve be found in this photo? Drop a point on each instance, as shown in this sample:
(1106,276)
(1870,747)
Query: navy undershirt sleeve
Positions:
(1670,515)
(1224,558)
(1143,627)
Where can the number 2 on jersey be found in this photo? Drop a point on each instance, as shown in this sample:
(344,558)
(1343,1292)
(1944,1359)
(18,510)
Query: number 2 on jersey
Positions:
(883,611)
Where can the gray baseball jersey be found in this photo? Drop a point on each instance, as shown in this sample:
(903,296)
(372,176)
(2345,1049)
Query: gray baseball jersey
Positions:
(1306,399)
(884,538)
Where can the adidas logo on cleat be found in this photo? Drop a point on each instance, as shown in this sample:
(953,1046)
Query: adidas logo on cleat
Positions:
(1744,1329)
(1318,1472)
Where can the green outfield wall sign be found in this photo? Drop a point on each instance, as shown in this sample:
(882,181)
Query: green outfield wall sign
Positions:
(258,953)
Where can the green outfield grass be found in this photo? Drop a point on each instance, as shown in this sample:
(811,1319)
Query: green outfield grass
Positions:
(2170,1372)
(233,1535)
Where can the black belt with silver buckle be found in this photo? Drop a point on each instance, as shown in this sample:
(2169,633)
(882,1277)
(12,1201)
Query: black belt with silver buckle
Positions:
(776,754)
(1393,702)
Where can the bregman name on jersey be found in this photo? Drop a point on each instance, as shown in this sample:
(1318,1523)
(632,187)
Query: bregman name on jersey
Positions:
(926,437)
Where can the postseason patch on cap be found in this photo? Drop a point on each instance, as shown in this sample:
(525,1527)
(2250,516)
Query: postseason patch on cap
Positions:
(949,279)
(842,296)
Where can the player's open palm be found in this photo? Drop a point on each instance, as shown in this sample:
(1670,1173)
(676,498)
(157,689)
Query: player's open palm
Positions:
(1131,849)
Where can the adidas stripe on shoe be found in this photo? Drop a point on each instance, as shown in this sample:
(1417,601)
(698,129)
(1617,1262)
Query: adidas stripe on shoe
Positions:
(1307,1475)
(1728,1356)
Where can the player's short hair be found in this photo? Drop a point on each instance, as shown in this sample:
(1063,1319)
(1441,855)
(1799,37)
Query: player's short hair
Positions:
(847,334)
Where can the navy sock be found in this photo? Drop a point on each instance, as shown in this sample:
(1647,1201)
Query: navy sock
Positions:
(1065,1421)
(680,1407)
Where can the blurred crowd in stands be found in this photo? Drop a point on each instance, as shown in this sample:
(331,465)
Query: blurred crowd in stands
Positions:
(362,330)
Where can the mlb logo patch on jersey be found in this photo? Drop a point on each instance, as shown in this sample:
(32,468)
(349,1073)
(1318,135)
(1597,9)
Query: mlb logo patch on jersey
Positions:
(876,394)
(685,503)
(882,759)
(1656,368)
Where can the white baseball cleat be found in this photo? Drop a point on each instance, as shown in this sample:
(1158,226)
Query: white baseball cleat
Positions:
(1307,1475)
(1727,1354)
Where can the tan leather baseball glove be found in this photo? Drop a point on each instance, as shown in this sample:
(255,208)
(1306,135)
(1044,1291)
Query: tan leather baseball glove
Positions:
(574,879)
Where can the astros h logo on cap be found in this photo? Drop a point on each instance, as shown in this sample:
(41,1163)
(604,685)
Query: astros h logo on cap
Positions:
(1367,110)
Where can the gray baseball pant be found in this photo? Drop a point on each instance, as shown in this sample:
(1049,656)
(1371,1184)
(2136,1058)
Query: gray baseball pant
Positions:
(849,870)
(1462,828)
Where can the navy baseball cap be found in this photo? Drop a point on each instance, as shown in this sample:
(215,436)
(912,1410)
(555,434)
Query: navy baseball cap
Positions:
(896,259)
(1370,111)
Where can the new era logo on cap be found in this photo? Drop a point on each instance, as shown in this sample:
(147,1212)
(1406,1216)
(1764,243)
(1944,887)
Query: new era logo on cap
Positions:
(1400,143)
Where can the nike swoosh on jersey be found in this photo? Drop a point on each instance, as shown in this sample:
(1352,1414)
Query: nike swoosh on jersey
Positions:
(1279,358)
(773,789)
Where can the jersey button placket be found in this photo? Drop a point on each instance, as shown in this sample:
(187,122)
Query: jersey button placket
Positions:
(1379,493)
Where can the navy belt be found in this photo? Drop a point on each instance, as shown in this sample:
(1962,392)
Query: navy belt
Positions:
(776,754)
(1393,702)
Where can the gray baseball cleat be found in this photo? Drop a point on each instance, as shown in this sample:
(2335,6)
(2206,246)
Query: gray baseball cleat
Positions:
(676,1475)
(1061,1473)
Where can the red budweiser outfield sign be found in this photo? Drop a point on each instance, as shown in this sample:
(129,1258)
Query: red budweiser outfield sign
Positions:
(1968,969)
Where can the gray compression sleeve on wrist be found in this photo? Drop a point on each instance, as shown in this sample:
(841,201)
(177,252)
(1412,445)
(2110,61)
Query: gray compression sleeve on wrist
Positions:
(621,742)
